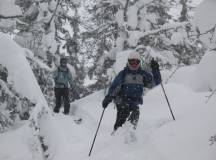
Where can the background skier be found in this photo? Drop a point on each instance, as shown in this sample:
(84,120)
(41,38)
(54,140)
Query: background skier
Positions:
(127,89)
(63,81)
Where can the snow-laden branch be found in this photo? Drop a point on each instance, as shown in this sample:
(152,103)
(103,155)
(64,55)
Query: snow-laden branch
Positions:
(135,36)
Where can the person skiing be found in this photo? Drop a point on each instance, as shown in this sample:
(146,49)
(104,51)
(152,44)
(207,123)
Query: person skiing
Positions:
(63,79)
(127,90)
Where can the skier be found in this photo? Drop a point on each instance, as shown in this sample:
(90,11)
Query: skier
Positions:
(63,79)
(127,90)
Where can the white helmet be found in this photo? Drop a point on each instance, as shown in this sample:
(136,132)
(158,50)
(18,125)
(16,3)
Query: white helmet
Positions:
(134,55)
(134,60)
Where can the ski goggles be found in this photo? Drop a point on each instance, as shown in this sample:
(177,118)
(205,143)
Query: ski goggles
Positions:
(134,61)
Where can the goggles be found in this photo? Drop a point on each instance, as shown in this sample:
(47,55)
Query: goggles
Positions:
(134,61)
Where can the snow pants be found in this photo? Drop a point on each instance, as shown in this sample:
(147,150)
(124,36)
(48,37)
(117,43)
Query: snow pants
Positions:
(62,93)
(126,112)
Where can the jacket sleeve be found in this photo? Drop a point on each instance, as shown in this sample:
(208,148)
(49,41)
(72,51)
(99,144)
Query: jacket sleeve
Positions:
(152,79)
(55,74)
(116,82)
(157,76)
(148,79)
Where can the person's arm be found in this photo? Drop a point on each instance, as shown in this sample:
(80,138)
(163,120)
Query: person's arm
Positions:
(55,74)
(116,82)
(156,72)
(154,78)
(148,79)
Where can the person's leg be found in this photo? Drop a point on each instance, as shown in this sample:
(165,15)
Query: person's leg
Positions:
(122,114)
(66,101)
(134,116)
(58,96)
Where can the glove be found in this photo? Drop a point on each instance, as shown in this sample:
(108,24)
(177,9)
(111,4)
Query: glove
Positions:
(106,101)
(154,65)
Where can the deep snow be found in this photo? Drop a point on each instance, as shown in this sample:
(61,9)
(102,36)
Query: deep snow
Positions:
(158,136)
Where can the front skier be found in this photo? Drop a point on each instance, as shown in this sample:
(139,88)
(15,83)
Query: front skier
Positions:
(127,90)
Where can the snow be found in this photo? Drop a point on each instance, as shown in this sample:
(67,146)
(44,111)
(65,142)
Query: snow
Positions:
(205,20)
(158,136)
(132,16)
(119,17)
(15,145)
(204,78)
(8,8)
(134,36)
(179,37)
(19,71)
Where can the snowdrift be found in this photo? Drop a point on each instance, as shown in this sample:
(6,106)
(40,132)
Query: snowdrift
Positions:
(19,70)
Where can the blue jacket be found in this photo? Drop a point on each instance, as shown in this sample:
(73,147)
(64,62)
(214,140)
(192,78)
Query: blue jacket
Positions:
(63,79)
(129,84)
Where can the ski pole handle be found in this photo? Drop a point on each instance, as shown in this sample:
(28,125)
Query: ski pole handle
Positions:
(96,132)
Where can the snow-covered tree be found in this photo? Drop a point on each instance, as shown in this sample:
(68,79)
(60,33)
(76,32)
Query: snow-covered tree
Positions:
(14,107)
(146,26)
(50,29)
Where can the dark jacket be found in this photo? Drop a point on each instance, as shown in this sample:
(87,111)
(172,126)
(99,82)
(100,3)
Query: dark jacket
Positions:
(128,85)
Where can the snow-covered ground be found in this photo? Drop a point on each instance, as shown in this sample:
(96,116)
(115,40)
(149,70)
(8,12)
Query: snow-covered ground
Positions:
(159,137)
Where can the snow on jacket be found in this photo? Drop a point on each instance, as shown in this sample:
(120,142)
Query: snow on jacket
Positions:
(129,84)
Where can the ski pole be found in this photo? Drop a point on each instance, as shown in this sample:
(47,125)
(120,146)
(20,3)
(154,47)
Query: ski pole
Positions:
(167,101)
(96,132)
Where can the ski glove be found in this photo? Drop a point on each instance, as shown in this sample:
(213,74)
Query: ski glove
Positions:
(106,101)
(154,65)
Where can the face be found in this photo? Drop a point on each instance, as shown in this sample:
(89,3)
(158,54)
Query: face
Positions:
(134,64)
(63,63)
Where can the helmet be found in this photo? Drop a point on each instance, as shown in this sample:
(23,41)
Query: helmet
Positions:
(134,60)
(134,55)
(63,61)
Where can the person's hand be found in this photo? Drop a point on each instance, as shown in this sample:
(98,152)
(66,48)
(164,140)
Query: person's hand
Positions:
(154,65)
(106,101)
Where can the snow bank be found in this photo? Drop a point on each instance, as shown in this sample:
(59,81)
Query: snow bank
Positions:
(205,20)
(183,75)
(204,78)
(20,73)
(15,145)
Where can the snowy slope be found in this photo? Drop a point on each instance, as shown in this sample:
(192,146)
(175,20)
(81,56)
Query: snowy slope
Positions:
(159,137)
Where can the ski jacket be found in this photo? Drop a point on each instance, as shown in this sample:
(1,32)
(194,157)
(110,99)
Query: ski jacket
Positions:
(128,85)
(63,78)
